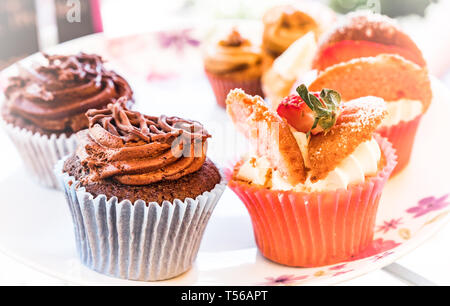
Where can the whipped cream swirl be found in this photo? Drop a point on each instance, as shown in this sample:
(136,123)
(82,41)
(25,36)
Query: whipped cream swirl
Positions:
(402,110)
(362,163)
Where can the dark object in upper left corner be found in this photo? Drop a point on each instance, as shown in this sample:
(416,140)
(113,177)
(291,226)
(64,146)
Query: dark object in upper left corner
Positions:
(78,18)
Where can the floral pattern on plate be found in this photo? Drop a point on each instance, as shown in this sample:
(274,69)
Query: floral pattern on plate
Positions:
(387,239)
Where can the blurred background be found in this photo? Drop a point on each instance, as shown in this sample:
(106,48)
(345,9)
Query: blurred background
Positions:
(27,26)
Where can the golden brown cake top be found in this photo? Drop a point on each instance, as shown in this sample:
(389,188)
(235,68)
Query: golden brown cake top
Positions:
(387,76)
(356,123)
(268,133)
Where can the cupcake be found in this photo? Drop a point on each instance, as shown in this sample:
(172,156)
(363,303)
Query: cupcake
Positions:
(233,61)
(404,85)
(314,177)
(284,24)
(141,191)
(45,107)
(368,54)
(279,79)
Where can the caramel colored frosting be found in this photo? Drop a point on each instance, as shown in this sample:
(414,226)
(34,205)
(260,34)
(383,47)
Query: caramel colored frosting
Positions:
(283,25)
(55,97)
(234,53)
(135,149)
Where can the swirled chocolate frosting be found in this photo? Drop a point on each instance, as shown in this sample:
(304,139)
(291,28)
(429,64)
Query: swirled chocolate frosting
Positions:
(55,97)
(135,149)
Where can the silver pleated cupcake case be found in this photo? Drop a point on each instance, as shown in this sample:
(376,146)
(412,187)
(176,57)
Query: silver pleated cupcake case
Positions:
(137,241)
(40,153)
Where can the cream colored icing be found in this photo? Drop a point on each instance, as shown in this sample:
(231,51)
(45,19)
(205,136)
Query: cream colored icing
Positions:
(297,58)
(352,170)
(295,61)
(402,110)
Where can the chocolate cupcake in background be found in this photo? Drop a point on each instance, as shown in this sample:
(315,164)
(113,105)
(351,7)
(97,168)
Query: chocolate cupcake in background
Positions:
(233,61)
(46,106)
(141,191)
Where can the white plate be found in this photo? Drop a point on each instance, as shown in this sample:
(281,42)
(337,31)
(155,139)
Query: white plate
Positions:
(166,72)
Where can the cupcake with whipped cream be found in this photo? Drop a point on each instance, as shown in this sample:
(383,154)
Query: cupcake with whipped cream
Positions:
(404,86)
(284,24)
(141,191)
(233,61)
(368,54)
(314,177)
(45,107)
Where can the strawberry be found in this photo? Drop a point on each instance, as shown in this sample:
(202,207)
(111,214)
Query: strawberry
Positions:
(310,112)
(296,113)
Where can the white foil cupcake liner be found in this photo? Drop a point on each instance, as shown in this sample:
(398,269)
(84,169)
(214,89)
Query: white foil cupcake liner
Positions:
(40,153)
(137,241)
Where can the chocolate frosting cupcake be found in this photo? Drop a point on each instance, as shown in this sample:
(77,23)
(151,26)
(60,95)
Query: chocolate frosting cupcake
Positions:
(141,192)
(133,156)
(53,99)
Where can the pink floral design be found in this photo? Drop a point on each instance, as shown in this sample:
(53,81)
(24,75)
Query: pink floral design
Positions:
(388,225)
(381,256)
(159,76)
(429,204)
(338,267)
(342,272)
(283,280)
(378,245)
(177,39)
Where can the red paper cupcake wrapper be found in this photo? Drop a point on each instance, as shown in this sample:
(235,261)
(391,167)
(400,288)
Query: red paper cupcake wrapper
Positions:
(315,229)
(402,137)
(221,87)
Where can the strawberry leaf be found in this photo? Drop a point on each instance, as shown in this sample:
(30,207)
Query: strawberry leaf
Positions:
(325,108)
(304,94)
